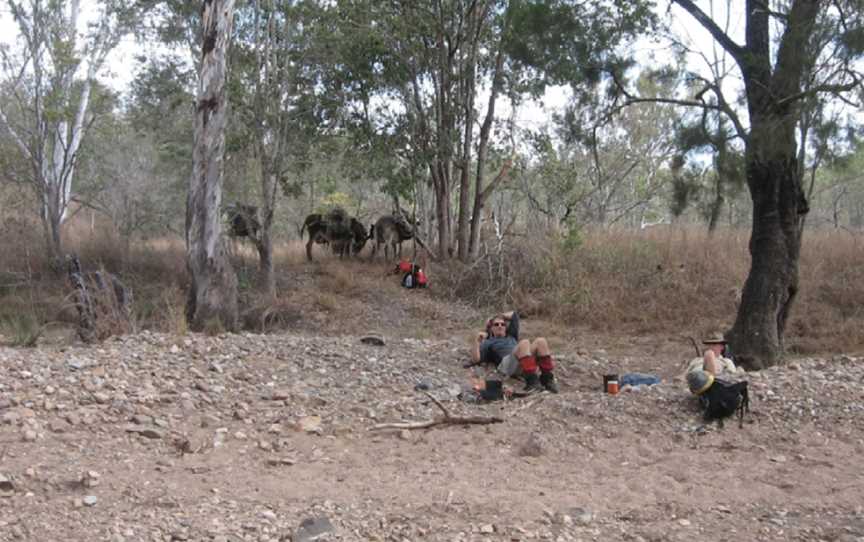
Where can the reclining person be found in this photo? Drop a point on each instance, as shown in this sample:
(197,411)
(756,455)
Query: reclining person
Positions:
(499,344)
(717,359)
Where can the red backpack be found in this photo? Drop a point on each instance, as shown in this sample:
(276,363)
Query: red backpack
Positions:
(412,275)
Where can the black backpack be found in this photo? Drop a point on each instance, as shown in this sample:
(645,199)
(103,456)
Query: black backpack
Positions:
(723,399)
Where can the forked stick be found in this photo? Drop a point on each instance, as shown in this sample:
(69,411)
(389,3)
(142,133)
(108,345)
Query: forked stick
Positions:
(446,419)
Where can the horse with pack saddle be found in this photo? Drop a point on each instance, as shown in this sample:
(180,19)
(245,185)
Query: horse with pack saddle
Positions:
(345,234)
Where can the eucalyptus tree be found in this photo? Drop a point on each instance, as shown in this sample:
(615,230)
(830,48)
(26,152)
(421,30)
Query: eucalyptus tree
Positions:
(267,52)
(780,48)
(783,61)
(212,299)
(437,58)
(51,74)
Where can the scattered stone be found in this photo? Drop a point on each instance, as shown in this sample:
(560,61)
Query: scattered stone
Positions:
(487,528)
(141,419)
(582,516)
(58,426)
(146,432)
(423,385)
(310,424)
(280,395)
(7,488)
(10,418)
(532,447)
(312,529)
(281,461)
(90,479)
(374,340)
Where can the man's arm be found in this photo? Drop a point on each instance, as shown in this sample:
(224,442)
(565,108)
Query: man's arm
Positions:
(475,350)
(512,318)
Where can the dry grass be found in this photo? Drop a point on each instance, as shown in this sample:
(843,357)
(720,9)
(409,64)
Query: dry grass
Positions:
(671,280)
(665,280)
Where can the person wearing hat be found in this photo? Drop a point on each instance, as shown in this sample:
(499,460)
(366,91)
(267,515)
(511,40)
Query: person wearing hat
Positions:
(500,345)
(717,359)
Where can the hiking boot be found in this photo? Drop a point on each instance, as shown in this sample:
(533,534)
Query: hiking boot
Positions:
(548,381)
(532,383)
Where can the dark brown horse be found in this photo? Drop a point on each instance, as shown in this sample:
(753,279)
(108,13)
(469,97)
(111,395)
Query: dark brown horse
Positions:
(346,235)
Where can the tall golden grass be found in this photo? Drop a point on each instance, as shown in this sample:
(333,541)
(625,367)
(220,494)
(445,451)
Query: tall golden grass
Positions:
(661,280)
(667,280)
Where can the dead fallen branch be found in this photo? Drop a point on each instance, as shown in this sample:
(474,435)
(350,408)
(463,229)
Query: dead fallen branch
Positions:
(446,419)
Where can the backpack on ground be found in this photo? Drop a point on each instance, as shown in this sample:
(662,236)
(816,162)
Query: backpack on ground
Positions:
(724,399)
(413,275)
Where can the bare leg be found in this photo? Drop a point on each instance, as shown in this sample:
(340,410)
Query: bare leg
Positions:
(540,347)
(523,348)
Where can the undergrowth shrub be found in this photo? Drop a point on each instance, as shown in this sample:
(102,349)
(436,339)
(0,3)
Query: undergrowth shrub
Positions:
(20,323)
(662,280)
(103,303)
(611,279)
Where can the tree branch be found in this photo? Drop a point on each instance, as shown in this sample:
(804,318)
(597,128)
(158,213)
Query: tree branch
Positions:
(836,89)
(724,40)
(505,169)
(446,419)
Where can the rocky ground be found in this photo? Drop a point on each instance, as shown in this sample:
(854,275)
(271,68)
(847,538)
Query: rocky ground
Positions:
(249,437)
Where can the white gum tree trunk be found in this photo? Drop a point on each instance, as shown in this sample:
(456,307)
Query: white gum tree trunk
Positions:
(212,297)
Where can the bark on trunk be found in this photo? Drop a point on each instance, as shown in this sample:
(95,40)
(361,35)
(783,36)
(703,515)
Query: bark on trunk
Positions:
(266,281)
(264,242)
(469,89)
(442,209)
(52,225)
(481,193)
(213,292)
(775,242)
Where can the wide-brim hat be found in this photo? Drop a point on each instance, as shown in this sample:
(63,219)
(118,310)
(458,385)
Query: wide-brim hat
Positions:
(715,338)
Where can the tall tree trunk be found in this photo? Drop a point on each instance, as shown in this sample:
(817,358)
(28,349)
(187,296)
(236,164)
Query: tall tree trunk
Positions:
(442,212)
(775,242)
(469,89)
(481,193)
(213,292)
(264,242)
(773,178)
(51,225)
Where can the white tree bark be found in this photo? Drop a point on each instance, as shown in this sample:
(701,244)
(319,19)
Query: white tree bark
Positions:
(212,297)
(51,138)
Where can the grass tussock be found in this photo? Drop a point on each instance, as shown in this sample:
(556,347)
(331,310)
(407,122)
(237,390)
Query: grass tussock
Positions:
(20,323)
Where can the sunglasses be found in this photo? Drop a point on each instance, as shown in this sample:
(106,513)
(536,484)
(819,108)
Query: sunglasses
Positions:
(498,324)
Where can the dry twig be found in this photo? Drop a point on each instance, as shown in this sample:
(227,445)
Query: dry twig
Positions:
(446,419)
